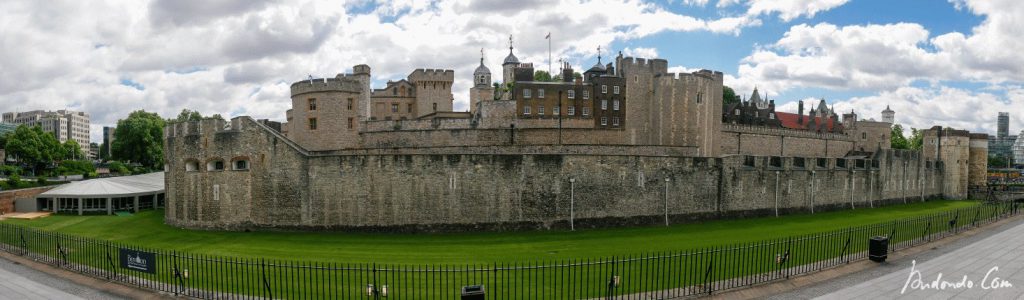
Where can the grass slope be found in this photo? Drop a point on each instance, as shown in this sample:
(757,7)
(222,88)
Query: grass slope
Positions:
(147,229)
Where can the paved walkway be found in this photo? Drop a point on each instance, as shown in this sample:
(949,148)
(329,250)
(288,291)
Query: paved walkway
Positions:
(21,282)
(990,267)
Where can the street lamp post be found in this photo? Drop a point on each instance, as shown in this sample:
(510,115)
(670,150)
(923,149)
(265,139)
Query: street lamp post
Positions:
(572,204)
(666,201)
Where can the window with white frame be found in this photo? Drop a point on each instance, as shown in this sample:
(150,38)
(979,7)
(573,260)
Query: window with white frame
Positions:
(615,89)
(556,110)
(604,104)
(604,121)
(586,111)
(526,110)
(215,165)
(540,93)
(615,121)
(604,89)
(191,166)
(615,105)
(586,94)
(540,110)
(572,110)
(240,165)
(572,94)
(526,93)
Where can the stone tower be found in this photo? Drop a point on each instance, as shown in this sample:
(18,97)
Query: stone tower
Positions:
(509,65)
(482,89)
(433,90)
(888,115)
(362,74)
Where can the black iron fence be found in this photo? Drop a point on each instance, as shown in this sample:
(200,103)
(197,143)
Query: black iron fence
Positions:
(651,275)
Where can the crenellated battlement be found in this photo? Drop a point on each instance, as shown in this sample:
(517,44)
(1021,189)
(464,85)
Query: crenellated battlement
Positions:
(442,75)
(342,83)
(655,65)
(207,127)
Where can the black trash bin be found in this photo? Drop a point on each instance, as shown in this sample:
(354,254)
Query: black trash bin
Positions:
(878,250)
(473,292)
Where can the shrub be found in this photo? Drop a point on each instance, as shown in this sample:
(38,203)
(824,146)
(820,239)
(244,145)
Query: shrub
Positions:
(75,167)
(14,181)
(9,170)
(118,167)
(41,181)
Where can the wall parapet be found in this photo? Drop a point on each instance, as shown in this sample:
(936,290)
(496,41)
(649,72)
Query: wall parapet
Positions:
(750,129)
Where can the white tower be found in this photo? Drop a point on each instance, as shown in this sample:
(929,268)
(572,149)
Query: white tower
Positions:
(888,115)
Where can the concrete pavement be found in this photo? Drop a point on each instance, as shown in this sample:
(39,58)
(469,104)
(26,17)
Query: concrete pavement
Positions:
(20,282)
(987,266)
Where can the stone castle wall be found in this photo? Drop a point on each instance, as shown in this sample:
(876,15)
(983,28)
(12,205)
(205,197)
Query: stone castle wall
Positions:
(758,140)
(530,187)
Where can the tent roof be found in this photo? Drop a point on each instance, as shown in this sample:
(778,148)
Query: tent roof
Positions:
(126,186)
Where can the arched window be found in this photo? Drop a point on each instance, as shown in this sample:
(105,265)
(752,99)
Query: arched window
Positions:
(191,165)
(240,165)
(215,164)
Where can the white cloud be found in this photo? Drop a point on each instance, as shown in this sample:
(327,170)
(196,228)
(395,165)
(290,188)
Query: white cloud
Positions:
(888,56)
(936,106)
(640,52)
(238,57)
(695,2)
(792,9)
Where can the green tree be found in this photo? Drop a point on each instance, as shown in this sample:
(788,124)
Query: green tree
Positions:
(75,167)
(916,139)
(541,76)
(70,150)
(897,139)
(118,167)
(995,161)
(33,146)
(188,115)
(103,152)
(729,96)
(139,138)
(13,181)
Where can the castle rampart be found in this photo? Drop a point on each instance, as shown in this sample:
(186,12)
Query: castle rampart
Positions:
(471,188)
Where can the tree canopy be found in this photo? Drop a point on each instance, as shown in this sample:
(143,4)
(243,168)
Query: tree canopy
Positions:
(139,138)
(35,147)
(187,115)
(899,141)
(729,96)
(542,76)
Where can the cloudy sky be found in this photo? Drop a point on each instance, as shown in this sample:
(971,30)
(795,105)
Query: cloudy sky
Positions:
(955,63)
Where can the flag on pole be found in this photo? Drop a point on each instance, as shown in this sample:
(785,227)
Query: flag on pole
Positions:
(548,36)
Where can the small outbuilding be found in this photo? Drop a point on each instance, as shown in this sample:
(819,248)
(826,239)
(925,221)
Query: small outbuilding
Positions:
(105,195)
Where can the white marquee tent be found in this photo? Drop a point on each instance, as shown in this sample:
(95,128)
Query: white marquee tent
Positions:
(106,194)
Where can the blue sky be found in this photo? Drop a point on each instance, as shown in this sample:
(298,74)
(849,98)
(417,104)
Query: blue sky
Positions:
(952,63)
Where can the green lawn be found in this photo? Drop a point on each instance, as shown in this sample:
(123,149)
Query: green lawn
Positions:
(147,229)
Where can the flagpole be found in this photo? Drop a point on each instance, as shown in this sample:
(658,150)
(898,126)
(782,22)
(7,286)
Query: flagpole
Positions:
(549,56)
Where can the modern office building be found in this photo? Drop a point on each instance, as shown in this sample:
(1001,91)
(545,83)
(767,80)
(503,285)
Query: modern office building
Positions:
(64,124)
